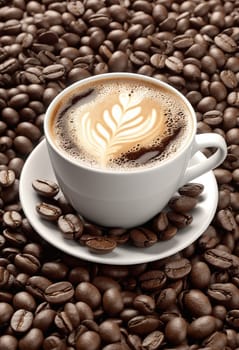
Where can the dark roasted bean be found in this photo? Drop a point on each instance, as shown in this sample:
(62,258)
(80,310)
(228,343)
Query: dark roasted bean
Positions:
(142,237)
(12,219)
(152,280)
(182,204)
(220,259)
(59,292)
(71,226)
(48,211)
(21,321)
(45,187)
(178,268)
(144,325)
(86,292)
(176,330)
(7,177)
(101,245)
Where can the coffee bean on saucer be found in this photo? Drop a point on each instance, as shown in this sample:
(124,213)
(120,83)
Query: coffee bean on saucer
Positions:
(168,233)
(45,188)
(191,189)
(160,222)
(71,226)
(48,211)
(182,203)
(180,220)
(142,237)
(101,245)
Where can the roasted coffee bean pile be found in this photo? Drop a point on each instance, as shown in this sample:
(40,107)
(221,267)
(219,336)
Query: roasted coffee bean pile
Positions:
(102,240)
(49,300)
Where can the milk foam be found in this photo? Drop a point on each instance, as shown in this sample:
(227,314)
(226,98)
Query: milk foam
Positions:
(116,119)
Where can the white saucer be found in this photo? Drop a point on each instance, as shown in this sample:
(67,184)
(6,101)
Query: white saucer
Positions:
(38,166)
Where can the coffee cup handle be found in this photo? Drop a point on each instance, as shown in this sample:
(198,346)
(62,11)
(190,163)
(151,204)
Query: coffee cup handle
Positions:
(204,165)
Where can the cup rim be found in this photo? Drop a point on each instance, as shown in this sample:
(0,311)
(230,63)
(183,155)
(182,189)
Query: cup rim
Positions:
(117,171)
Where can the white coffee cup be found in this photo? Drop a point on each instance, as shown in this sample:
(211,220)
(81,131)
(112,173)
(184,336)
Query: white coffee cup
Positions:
(129,198)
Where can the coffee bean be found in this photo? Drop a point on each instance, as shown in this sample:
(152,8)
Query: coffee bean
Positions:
(70,225)
(180,220)
(21,320)
(23,145)
(202,327)
(144,325)
(197,303)
(24,300)
(101,245)
(27,262)
(142,237)
(44,319)
(176,330)
(232,318)
(88,339)
(200,275)
(36,286)
(53,342)
(9,66)
(86,292)
(109,331)
(152,280)
(153,340)
(8,342)
(118,62)
(217,340)
(213,117)
(229,79)
(12,219)
(29,130)
(191,189)
(226,219)
(112,301)
(33,338)
(220,259)
(182,41)
(55,71)
(54,270)
(7,177)
(59,292)
(144,303)
(178,268)
(45,188)
(182,204)
(48,211)
(6,312)
(174,64)
(226,293)
(225,42)
(158,60)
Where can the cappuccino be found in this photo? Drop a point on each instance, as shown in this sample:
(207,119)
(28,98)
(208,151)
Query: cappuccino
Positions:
(120,124)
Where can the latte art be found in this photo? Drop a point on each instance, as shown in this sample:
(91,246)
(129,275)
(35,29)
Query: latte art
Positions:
(119,128)
(120,124)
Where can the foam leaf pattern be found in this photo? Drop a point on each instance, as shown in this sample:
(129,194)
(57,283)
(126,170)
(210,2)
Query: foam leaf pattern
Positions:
(123,124)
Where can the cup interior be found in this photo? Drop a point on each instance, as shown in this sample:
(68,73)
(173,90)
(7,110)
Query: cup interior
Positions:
(62,99)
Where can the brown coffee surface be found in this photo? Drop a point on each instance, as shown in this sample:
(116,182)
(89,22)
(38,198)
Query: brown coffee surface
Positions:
(121,124)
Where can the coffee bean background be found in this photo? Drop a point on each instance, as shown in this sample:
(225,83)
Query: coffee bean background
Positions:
(49,300)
